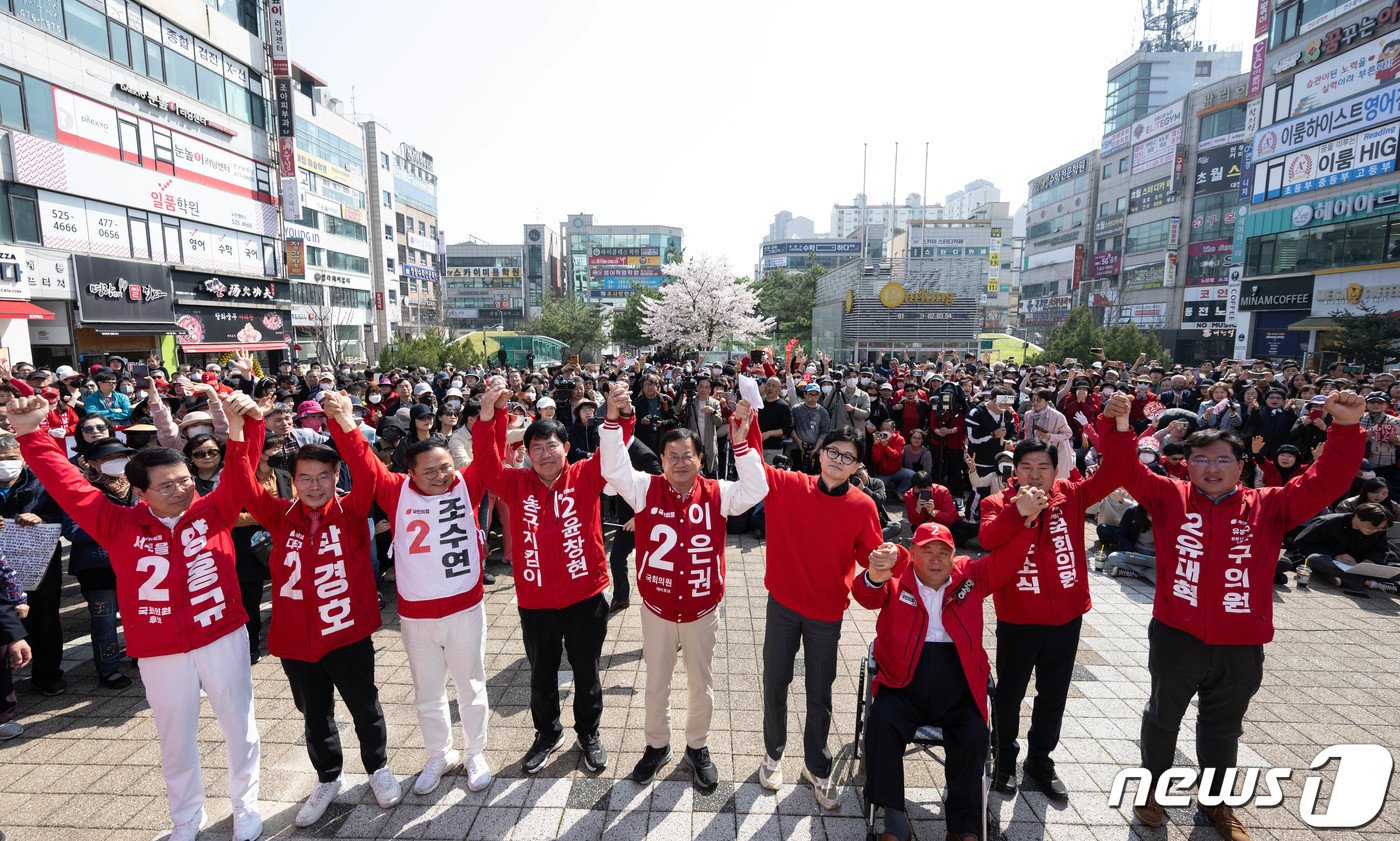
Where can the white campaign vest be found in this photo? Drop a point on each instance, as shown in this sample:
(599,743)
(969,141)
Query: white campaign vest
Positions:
(437,546)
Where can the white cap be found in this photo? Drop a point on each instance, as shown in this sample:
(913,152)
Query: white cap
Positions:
(453,392)
(64,372)
(544,403)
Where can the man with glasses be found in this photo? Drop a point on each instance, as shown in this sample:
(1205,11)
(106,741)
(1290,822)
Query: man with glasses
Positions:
(561,571)
(438,572)
(324,609)
(177,592)
(1217,548)
(680,529)
(107,402)
(819,528)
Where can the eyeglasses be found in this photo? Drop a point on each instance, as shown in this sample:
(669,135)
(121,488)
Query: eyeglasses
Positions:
(94,430)
(682,459)
(319,479)
(434,472)
(1219,461)
(169,488)
(838,456)
(205,453)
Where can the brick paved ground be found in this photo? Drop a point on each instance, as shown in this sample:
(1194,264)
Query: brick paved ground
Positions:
(86,766)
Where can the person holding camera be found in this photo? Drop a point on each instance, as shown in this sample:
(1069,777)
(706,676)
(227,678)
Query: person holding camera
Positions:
(703,412)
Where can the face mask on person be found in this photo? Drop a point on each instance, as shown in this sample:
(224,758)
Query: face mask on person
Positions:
(1147,458)
(312,423)
(782,392)
(126,389)
(10,468)
(199,429)
(865,381)
(851,383)
(376,397)
(115,467)
(811,369)
(456,383)
(826,389)
(1004,469)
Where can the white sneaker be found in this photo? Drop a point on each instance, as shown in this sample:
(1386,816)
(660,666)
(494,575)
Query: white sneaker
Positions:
(478,772)
(828,793)
(10,729)
(770,773)
(188,830)
(315,806)
(247,826)
(386,788)
(431,774)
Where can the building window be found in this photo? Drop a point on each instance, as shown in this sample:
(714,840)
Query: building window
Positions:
(1123,164)
(1122,204)
(38,108)
(1202,69)
(11,100)
(383,160)
(44,14)
(180,73)
(87,27)
(388,199)
(389,232)
(1103,208)
(1148,237)
(421,229)
(24,211)
(398,222)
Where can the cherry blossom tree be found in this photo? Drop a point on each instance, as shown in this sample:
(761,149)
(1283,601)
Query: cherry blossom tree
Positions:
(702,305)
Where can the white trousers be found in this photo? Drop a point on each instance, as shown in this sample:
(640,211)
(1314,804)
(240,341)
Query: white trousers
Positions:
(173,683)
(454,645)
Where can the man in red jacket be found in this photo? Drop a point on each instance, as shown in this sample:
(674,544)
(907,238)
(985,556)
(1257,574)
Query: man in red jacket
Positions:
(818,528)
(680,527)
(438,574)
(932,666)
(1217,548)
(178,595)
(325,607)
(1039,614)
(561,572)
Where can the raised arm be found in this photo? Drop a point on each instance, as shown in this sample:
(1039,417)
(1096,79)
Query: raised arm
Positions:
(84,503)
(486,468)
(365,468)
(630,484)
(1330,476)
(237,488)
(752,487)
(167,433)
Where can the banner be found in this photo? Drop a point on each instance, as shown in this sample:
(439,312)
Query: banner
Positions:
(296,258)
(1346,117)
(277,39)
(1157,151)
(1262,16)
(1341,161)
(1218,170)
(1106,264)
(1256,67)
(1151,195)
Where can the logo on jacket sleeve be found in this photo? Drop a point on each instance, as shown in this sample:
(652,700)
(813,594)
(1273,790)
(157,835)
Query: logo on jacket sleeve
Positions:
(963,591)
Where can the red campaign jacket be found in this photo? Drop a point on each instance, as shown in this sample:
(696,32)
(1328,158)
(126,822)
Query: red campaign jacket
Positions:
(1051,586)
(558,533)
(1140,404)
(888,455)
(1070,405)
(680,550)
(942,500)
(323,591)
(1216,560)
(903,621)
(177,589)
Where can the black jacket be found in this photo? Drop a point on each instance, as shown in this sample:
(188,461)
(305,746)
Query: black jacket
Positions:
(1332,535)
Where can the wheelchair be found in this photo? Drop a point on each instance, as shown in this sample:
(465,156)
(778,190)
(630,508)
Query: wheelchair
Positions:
(926,738)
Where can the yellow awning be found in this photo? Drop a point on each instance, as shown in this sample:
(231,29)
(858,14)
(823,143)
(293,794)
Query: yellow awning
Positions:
(1316,322)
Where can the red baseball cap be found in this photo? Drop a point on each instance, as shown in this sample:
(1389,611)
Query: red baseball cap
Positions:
(210,377)
(51,394)
(930,532)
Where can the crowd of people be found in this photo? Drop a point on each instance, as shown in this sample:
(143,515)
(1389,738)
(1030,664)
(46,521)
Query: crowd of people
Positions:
(183,494)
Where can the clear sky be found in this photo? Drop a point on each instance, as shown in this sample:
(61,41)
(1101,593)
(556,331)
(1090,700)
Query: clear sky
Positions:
(714,116)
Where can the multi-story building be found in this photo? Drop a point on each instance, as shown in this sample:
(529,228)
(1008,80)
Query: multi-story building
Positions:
(484,287)
(1149,79)
(846,219)
(1059,217)
(332,304)
(546,273)
(1320,196)
(406,242)
(606,262)
(798,254)
(964,203)
(139,183)
(787,226)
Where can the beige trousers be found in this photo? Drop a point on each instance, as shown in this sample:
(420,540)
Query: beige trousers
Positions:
(697,643)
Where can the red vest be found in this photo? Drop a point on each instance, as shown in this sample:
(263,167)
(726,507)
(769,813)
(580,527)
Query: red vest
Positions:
(680,550)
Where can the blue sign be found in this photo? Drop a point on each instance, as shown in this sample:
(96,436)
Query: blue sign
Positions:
(419,272)
(841,247)
(624,284)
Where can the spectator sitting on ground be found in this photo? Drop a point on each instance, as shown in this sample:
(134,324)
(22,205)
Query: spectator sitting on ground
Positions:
(1137,556)
(1108,516)
(1375,491)
(1334,543)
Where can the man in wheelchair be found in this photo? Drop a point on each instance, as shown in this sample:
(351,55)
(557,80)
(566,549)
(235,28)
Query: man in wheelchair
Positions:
(928,645)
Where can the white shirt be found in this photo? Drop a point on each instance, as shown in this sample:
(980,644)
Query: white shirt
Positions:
(933,603)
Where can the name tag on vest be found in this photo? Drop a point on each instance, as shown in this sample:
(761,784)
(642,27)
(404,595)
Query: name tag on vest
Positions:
(908,598)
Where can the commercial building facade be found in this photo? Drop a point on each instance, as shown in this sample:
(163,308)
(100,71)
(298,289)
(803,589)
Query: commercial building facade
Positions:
(139,190)
(484,287)
(1059,217)
(606,262)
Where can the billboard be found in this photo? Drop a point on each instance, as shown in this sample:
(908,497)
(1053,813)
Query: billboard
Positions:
(1068,172)
(1338,38)
(1150,195)
(1256,68)
(1157,151)
(1106,264)
(1348,74)
(1109,226)
(839,247)
(1163,119)
(1218,169)
(1208,263)
(1204,307)
(1347,117)
(1145,276)
(1355,157)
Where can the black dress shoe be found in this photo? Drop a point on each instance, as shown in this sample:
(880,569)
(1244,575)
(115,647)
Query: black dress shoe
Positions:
(706,774)
(1048,780)
(1004,781)
(618,604)
(652,760)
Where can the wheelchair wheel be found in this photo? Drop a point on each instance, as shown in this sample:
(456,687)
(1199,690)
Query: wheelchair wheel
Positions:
(860,706)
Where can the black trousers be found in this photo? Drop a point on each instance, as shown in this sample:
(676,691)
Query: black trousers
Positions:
(937,695)
(784,631)
(252,576)
(348,670)
(9,702)
(1049,650)
(43,626)
(623,542)
(1225,677)
(579,630)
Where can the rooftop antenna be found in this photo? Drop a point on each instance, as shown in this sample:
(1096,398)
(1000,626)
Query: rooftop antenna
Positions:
(1169,26)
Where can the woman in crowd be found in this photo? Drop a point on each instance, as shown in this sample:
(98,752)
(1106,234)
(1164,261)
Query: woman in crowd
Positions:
(205,455)
(422,425)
